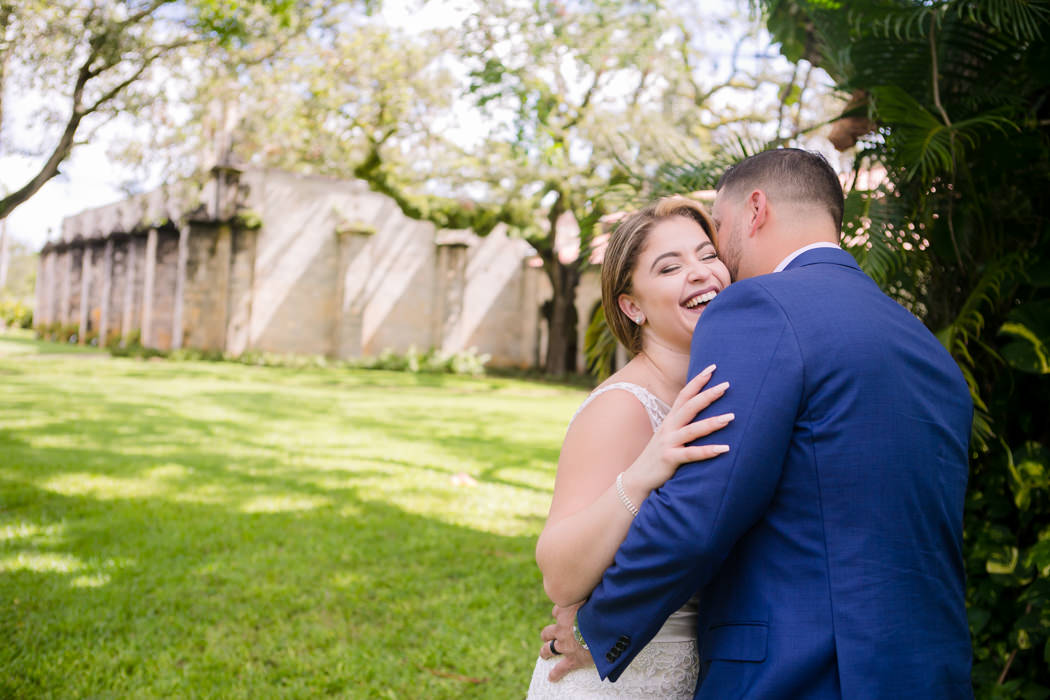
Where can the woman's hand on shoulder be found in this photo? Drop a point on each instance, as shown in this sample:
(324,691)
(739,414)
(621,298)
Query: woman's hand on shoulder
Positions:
(669,447)
(602,441)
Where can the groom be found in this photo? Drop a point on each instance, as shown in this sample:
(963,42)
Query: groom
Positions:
(827,541)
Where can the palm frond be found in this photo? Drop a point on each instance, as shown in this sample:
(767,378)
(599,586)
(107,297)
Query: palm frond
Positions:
(1023,20)
(599,346)
(894,21)
(922,139)
(968,325)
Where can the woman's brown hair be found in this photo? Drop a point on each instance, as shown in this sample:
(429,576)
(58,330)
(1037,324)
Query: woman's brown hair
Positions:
(621,256)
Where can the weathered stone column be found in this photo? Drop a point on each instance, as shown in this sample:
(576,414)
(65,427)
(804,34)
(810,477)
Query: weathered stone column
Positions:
(180,286)
(149,272)
(348,326)
(50,309)
(43,284)
(107,290)
(127,323)
(85,293)
(530,314)
(450,278)
(448,297)
(66,272)
(205,285)
(242,290)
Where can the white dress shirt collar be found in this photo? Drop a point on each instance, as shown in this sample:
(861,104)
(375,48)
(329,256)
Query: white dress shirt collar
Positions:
(822,244)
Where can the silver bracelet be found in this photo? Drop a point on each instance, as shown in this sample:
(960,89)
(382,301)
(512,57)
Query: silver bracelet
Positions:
(623,495)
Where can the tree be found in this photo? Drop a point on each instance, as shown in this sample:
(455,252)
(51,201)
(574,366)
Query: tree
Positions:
(584,95)
(956,94)
(98,59)
(559,99)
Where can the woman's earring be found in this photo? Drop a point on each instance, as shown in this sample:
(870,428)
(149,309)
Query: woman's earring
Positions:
(639,319)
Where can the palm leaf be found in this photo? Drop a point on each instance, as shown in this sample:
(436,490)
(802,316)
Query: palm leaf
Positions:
(599,346)
(1022,20)
(968,325)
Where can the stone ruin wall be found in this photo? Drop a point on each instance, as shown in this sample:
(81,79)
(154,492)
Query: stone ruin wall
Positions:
(334,269)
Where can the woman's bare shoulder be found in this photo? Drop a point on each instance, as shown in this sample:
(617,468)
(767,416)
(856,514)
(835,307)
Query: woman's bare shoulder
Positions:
(610,416)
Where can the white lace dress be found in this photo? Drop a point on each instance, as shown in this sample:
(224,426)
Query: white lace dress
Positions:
(668,666)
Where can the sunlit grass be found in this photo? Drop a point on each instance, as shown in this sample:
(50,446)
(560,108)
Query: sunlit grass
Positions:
(217,530)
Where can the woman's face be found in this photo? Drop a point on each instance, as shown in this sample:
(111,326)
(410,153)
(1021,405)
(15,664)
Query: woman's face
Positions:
(676,275)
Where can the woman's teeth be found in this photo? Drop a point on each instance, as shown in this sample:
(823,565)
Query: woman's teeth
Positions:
(702,299)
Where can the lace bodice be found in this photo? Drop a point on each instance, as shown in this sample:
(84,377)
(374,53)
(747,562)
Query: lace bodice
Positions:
(654,406)
(666,671)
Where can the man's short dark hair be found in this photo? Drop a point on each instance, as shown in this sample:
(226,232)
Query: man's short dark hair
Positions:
(790,173)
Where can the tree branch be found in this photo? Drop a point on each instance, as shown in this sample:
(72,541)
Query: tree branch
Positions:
(951,135)
(48,171)
(77,111)
(586,100)
(785,95)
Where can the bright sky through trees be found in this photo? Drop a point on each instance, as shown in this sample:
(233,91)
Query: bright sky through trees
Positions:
(91,177)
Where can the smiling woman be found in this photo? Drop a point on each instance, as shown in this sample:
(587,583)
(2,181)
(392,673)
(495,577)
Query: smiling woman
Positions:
(682,222)
(629,437)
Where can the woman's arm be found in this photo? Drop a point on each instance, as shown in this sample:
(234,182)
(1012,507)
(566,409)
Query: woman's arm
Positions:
(587,520)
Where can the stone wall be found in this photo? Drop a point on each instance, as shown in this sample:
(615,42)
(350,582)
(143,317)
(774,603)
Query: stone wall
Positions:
(165,282)
(71,313)
(131,285)
(113,304)
(275,262)
(242,283)
(207,286)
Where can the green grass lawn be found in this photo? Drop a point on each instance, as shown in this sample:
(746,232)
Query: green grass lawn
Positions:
(182,529)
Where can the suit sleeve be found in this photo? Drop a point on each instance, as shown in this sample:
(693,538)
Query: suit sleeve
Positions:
(686,528)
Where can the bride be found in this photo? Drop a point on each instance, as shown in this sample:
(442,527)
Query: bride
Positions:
(629,436)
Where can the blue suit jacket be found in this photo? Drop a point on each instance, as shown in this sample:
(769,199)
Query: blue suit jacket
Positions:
(827,541)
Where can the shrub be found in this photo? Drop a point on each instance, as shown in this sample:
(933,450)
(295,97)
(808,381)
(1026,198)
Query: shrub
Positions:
(432,361)
(15,314)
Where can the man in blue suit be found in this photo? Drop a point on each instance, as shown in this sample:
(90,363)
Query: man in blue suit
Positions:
(827,541)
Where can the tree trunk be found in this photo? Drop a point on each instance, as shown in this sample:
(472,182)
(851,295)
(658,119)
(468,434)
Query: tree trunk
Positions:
(562,319)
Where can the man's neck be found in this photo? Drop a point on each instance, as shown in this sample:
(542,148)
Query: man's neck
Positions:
(794,254)
(774,257)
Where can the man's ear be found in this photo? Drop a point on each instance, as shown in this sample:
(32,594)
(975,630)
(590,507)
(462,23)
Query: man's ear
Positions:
(758,211)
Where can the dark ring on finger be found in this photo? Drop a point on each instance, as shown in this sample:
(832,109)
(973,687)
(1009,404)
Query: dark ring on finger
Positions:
(553,650)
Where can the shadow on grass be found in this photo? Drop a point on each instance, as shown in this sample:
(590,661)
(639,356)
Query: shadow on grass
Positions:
(355,598)
(175,531)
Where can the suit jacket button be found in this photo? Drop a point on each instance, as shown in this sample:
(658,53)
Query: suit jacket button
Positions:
(620,646)
(625,639)
(610,657)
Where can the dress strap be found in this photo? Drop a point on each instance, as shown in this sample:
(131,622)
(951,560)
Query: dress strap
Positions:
(655,408)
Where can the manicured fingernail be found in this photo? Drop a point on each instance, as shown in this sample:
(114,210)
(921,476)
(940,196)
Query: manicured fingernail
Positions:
(708,370)
(723,386)
(719,449)
(728,417)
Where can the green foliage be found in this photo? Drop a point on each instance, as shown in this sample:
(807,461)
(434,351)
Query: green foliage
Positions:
(432,361)
(1028,330)
(15,314)
(58,332)
(959,232)
(599,346)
